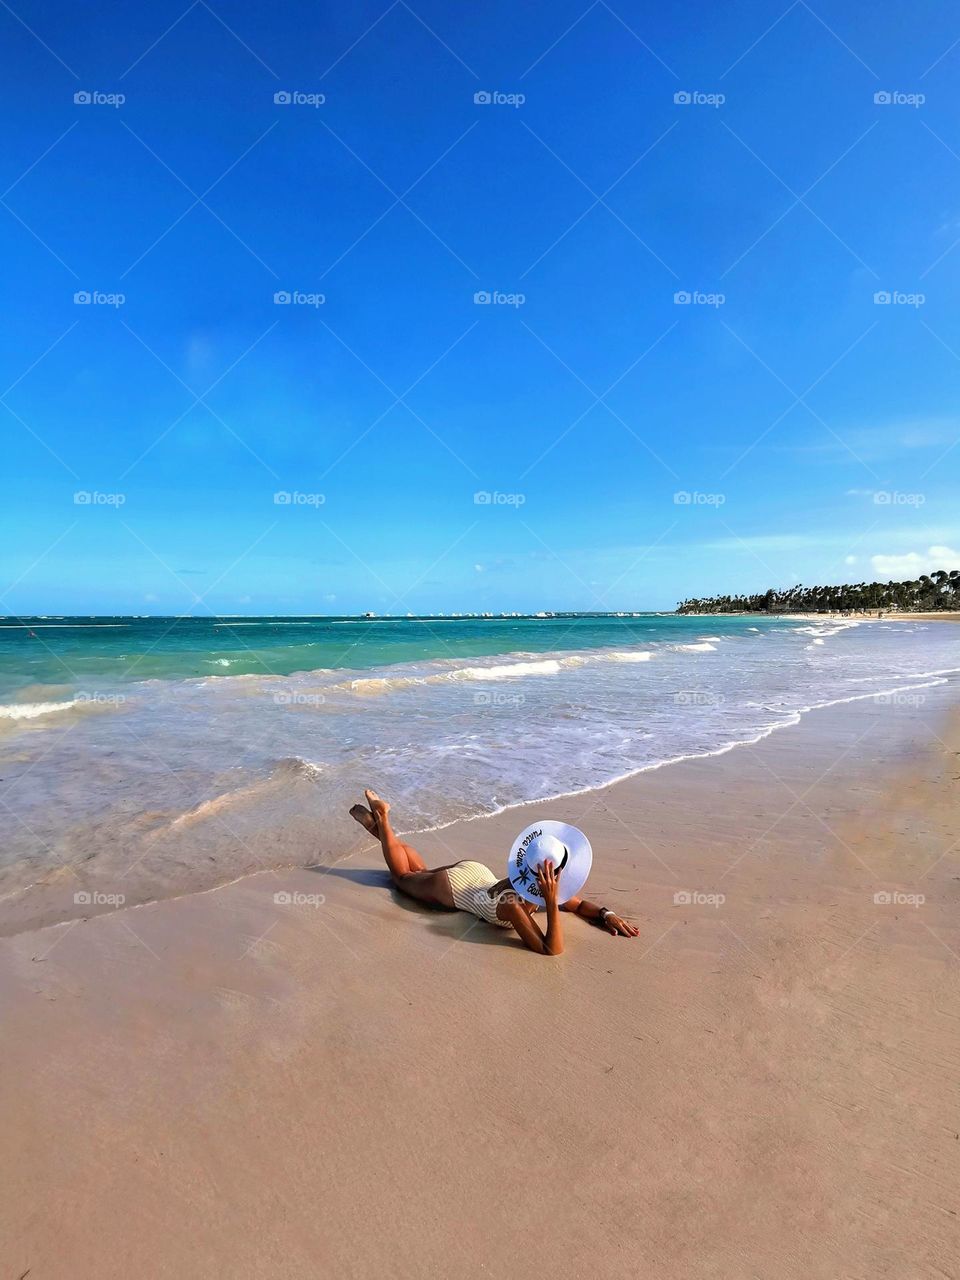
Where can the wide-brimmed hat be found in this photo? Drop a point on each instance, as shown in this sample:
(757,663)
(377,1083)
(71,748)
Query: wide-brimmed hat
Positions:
(565,846)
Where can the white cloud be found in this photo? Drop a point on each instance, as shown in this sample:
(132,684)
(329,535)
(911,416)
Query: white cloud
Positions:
(913,563)
(480,568)
(850,560)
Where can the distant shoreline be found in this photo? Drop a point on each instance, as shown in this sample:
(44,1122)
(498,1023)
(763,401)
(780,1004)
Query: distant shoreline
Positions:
(16,622)
(868,615)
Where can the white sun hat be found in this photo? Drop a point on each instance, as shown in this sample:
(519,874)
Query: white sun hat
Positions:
(557,842)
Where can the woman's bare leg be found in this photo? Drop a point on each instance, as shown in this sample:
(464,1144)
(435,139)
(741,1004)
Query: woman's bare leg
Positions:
(414,861)
(407,869)
(362,814)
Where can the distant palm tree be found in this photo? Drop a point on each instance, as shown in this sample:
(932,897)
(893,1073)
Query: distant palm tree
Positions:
(939,591)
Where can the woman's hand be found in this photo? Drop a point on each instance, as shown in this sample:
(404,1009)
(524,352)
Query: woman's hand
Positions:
(619,927)
(547,878)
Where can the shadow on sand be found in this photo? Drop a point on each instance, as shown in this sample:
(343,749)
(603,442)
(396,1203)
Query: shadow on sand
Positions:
(458,926)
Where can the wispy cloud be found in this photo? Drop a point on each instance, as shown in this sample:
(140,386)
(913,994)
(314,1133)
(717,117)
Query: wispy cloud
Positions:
(773,542)
(883,442)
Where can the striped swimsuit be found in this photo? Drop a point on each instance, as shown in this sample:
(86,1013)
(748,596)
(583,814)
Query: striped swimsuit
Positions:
(469,882)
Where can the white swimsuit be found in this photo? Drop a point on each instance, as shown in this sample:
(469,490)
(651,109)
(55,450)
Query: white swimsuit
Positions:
(469,882)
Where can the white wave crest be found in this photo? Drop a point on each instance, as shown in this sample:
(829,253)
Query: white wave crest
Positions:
(508,671)
(30,710)
(626,655)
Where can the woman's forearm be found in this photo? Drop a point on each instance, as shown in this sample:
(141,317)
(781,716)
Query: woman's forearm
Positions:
(553,942)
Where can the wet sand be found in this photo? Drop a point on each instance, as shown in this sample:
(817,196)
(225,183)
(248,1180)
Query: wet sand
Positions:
(763,1084)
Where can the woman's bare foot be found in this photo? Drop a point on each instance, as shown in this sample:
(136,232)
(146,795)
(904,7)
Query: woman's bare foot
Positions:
(366,819)
(379,808)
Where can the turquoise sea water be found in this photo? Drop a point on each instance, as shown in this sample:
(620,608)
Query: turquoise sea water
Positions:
(51,650)
(141,757)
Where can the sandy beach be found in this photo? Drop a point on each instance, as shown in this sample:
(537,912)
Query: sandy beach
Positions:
(764,1083)
(543,419)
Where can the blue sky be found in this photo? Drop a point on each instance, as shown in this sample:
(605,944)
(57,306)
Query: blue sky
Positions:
(810,427)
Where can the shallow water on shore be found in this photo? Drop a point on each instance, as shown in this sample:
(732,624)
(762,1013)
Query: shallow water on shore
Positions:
(179,783)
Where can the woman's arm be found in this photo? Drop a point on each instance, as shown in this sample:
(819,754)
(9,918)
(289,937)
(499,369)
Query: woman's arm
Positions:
(550,944)
(547,884)
(600,916)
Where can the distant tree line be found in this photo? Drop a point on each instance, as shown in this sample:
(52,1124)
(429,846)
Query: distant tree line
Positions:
(926,594)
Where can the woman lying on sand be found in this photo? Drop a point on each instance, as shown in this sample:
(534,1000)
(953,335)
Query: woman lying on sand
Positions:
(472,887)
